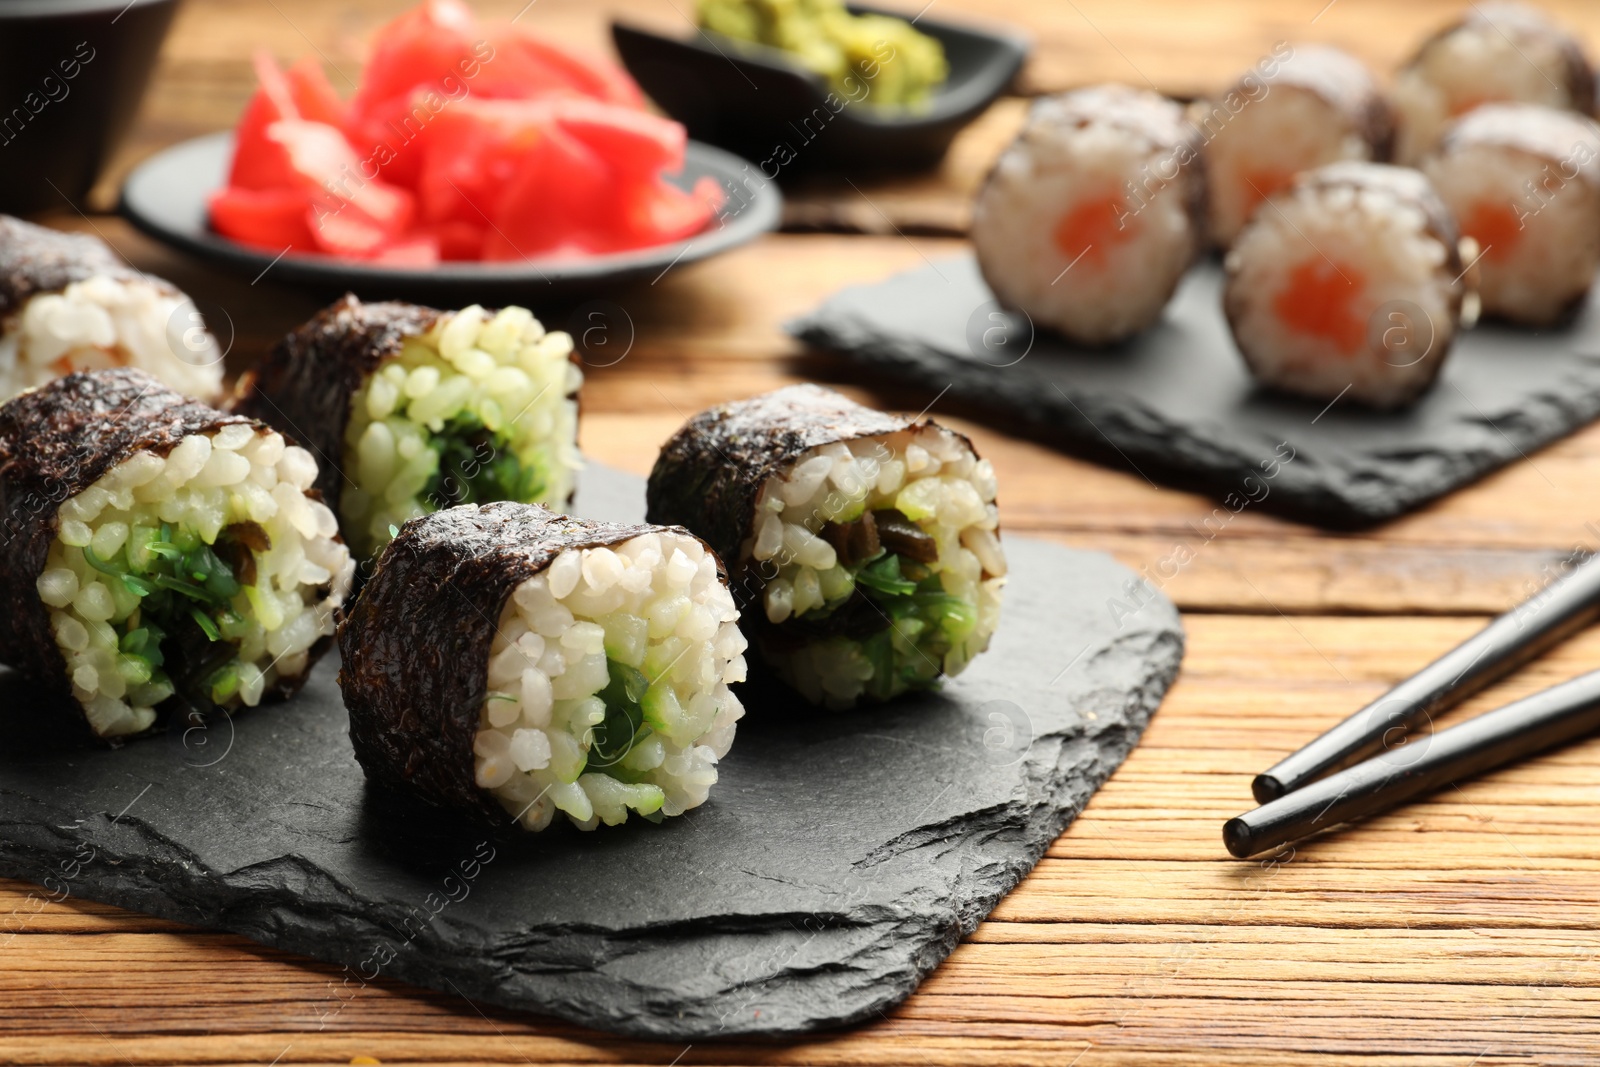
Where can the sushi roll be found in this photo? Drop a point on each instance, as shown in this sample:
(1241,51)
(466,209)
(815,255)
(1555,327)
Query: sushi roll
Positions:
(1091,216)
(1316,105)
(1497,52)
(413,410)
(510,663)
(1351,285)
(1524,183)
(864,548)
(67,303)
(162,556)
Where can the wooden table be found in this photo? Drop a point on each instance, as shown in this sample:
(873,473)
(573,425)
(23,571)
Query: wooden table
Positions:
(1460,930)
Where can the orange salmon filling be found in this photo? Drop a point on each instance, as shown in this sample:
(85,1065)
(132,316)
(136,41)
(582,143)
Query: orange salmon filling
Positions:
(1468,103)
(1262,183)
(1093,228)
(1495,226)
(1319,301)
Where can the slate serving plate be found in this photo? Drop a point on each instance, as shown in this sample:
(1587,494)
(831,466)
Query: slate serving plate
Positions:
(752,99)
(839,859)
(165,196)
(1177,404)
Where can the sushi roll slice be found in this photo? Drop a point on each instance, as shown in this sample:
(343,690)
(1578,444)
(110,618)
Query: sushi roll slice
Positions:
(1317,105)
(1350,283)
(1524,183)
(510,663)
(864,548)
(412,410)
(67,303)
(1091,216)
(1497,52)
(162,556)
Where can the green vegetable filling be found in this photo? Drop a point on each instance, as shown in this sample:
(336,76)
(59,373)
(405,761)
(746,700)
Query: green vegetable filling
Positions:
(477,465)
(183,636)
(624,725)
(923,622)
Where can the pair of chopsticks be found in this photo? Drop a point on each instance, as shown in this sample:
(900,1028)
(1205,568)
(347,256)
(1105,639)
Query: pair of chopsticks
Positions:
(1332,780)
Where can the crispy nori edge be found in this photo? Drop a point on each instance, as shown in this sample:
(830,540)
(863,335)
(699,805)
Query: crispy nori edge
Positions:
(56,441)
(1522,21)
(37,259)
(304,385)
(415,646)
(709,474)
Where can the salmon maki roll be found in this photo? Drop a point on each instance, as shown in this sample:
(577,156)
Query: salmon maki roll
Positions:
(1091,216)
(1497,52)
(1348,284)
(1524,183)
(1317,105)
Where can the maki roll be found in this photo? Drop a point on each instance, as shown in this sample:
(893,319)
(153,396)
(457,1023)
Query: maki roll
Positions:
(866,545)
(1352,284)
(413,410)
(1524,183)
(67,303)
(510,663)
(1091,216)
(1314,106)
(163,556)
(1497,52)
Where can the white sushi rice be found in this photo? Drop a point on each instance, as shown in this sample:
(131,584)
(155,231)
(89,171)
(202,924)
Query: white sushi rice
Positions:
(206,483)
(1261,148)
(1108,290)
(1551,213)
(1371,248)
(103,322)
(930,476)
(1475,63)
(503,371)
(654,603)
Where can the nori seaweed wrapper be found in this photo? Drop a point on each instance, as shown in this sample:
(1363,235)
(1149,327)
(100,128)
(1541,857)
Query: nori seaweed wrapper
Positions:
(37,259)
(415,646)
(55,442)
(708,476)
(303,387)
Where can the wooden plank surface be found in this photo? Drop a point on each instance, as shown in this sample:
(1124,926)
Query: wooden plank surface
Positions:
(1460,930)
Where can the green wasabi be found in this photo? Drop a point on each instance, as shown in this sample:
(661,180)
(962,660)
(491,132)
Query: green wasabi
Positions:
(876,59)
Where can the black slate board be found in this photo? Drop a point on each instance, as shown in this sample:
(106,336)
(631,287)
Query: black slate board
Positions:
(839,859)
(1177,404)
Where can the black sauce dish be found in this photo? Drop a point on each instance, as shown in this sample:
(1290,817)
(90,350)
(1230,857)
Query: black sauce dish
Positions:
(72,73)
(760,103)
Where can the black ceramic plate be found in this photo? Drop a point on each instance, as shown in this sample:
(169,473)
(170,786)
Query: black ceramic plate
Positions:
(166,198)
(756,100)
(1176,402)
(839,859)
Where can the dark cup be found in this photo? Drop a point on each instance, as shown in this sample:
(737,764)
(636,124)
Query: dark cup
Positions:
(72,73)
